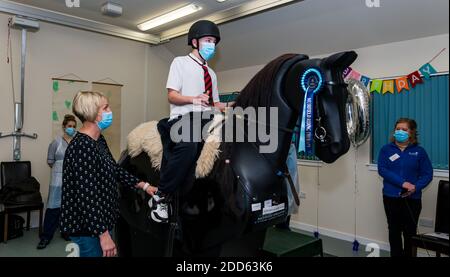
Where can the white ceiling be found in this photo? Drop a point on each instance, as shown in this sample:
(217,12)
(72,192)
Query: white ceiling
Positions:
(311,27)
(134,11)
(322,26)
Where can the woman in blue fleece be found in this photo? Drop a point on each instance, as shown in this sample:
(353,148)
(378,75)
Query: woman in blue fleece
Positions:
(406,171)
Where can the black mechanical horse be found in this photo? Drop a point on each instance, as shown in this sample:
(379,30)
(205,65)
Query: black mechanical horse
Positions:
(242,179)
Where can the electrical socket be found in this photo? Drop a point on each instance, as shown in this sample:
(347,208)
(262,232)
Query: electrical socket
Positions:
(426,222)
(302,195)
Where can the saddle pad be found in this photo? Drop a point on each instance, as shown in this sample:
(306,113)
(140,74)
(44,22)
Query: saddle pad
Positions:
(146,138)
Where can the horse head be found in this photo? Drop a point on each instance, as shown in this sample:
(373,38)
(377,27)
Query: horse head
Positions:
(330,133)
(279,84)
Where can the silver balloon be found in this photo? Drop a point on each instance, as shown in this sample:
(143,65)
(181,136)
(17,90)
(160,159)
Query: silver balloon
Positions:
(358,112)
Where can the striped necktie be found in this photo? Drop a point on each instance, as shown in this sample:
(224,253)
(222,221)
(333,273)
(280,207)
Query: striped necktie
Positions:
(208,81)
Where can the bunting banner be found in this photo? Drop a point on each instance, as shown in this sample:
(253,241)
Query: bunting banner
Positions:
(400,83)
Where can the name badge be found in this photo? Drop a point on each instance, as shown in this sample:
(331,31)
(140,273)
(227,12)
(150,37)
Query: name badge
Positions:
(394,157)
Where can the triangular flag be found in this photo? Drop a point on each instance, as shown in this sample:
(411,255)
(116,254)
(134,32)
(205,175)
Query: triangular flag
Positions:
(388,86)
(427,70)
(355,75)
(346,72)
(402,83)
(414,78)
(376,85)
(365,80)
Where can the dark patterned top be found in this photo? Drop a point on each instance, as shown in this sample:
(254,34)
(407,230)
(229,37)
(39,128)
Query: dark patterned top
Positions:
(89,204)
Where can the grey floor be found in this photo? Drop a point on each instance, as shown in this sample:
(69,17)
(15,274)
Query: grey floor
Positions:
(26,247)
(339,248)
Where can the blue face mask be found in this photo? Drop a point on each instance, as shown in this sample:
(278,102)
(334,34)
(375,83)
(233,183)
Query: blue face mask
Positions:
(70,131)
(207,50)
(107,118)
(401,136)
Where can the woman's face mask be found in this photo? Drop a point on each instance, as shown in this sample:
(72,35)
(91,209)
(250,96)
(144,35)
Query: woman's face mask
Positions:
(70,131)
(107,119)
(71,128)
(401,136)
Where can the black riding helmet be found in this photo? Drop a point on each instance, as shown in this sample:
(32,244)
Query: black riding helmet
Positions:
(203,28)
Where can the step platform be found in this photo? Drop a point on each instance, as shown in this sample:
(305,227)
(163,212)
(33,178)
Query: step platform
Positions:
(285,243)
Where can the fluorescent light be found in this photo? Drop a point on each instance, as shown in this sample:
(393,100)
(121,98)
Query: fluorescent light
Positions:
(165,18)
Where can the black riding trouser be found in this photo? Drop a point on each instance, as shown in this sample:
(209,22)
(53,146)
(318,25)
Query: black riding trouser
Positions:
(179,158)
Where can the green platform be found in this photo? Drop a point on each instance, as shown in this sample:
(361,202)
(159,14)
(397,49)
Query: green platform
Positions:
(283,243)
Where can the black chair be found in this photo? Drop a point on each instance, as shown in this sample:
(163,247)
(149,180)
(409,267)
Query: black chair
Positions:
(18,171)
(441,225)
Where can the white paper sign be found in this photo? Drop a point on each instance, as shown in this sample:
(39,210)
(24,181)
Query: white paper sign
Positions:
(268,203)
(256,207)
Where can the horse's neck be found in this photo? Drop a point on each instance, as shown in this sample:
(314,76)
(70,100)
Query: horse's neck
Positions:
(280,133)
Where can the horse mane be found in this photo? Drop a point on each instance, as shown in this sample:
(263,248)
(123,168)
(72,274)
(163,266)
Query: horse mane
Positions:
(257,93)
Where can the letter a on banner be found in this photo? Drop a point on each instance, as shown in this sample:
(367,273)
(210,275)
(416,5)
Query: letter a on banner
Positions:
(414,78)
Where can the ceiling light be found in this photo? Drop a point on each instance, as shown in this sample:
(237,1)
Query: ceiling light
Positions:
(165,18)
(221,1)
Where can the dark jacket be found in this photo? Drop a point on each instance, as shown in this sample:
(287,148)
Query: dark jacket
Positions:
(396,167)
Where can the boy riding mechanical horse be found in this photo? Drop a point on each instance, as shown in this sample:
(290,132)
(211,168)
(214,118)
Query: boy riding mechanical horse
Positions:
(192,88)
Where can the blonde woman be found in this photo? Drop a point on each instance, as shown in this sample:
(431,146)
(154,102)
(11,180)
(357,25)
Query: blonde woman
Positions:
(89,207)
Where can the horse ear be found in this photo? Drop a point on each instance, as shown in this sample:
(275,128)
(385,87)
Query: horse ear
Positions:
(340,60)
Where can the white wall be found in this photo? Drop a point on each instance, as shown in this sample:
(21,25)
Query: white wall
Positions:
(56,50)
(334,202)
(159,60)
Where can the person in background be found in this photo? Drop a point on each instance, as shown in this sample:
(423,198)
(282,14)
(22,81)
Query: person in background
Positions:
(406,171)
(89,205)
(55,157)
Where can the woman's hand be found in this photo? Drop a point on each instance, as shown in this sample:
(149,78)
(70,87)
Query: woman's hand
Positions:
(149,190)
(410,187)
(108,245)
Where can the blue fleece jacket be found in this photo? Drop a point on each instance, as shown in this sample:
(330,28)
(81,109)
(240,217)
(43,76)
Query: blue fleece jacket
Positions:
(396,167)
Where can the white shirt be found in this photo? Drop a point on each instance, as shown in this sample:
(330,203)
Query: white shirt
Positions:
(186,77)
